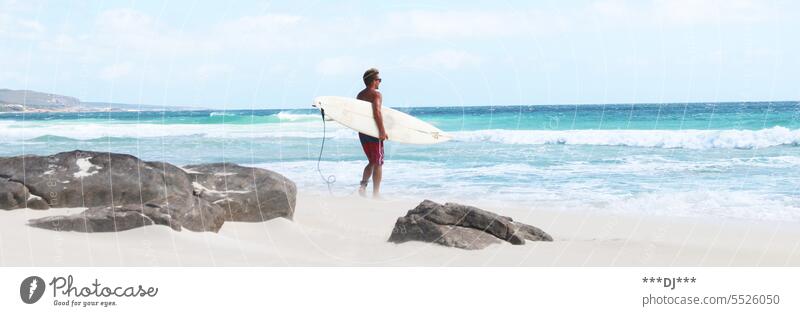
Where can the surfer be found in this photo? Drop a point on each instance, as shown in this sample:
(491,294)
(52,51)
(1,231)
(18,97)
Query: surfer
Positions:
(373,147)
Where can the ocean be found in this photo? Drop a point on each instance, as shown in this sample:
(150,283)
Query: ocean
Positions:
(713,160)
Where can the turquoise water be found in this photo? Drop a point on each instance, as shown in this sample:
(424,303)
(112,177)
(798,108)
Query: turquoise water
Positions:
(719,160)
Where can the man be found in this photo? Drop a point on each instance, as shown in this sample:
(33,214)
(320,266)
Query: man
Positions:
(373,147)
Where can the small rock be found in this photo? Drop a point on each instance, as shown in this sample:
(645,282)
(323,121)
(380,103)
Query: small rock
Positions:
(415,227)
(461,226)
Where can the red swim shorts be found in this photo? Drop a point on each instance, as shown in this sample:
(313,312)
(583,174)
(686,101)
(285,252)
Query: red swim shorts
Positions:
(374,151)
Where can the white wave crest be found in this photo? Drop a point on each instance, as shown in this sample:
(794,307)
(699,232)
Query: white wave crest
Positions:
(288,116)
(586,194)
(310,126)
(16,131)
(691,139)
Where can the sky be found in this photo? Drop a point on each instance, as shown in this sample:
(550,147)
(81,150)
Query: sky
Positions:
(281,54)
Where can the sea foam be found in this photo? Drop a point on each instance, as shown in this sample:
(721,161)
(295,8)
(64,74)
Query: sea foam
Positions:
(289,116)
(691,139)
(310,126)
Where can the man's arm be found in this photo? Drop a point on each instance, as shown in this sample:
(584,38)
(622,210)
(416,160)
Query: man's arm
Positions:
(376,114)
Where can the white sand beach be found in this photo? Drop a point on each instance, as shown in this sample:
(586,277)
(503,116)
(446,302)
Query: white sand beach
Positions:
(353,231)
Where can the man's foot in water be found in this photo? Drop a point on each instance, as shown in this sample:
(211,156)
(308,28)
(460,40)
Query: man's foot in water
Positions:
(362,190)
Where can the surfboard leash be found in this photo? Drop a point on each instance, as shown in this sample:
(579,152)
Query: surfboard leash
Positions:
(331,178)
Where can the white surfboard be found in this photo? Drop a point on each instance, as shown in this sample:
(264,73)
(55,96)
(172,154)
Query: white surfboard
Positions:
(399,126)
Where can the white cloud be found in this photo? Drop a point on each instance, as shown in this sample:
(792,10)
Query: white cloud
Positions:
(334,66)
(209,71)
(129,28)
(264,32)
(611,9)
(8,75)
(62,43)
(135,30)
(13,27)
(454,25)
(446,59)
(284,42)
(15,21)
(116,71)
(125,20)
(709,11)
(672,13)
(262,23)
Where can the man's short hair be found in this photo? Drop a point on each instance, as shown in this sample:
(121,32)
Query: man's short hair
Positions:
(370,75)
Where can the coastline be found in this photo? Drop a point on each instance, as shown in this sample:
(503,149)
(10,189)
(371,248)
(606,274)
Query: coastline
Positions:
(353,231)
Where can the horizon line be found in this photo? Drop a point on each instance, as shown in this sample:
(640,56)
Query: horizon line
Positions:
(202,108)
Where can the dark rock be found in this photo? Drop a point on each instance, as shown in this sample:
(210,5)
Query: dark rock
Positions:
(470,217)
(193,213)
(85,178)
(246,194)
(37,203)
(531,233)
(96,219)
(199,198)
(15,195)
(461,226)
(414,227)
(12,194)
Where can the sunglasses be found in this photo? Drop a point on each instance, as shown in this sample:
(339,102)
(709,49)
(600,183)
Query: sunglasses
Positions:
(378,79)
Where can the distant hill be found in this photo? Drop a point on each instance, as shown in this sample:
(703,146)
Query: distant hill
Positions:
(14,100)
(34,101)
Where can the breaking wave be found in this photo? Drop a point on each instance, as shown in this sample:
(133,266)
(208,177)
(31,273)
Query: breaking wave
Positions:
(690,139)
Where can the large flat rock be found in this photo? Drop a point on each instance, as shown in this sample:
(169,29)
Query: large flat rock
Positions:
(246,194)
(123,192)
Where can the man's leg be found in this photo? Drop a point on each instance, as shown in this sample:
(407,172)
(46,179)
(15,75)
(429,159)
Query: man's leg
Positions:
(377,174)
(362,190)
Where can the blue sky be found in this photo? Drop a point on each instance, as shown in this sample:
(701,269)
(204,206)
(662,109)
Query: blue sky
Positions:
(258,54)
